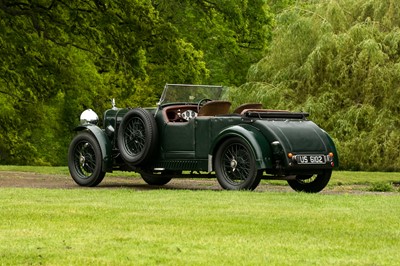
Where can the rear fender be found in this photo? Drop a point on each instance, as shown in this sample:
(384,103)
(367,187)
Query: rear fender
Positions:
(333,148)
(252,136)
(104,143)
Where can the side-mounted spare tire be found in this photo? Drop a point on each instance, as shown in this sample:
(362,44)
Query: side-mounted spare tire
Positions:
(137,136)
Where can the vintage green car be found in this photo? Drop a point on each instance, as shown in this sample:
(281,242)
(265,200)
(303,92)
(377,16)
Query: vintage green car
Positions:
(193,133)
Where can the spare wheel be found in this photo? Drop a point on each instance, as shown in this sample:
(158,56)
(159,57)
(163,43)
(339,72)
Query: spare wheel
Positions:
(137,136)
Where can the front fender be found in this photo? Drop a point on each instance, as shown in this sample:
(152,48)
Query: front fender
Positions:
(253,137)
(104,143)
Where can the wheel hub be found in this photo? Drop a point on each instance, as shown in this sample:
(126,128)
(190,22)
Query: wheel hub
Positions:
(82,160)
(234,164)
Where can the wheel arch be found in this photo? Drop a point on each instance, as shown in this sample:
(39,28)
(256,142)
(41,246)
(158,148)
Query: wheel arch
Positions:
(104,143)
(252,136)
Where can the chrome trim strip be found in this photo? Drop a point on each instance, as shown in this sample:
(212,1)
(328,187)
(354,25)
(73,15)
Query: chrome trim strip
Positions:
(210,166)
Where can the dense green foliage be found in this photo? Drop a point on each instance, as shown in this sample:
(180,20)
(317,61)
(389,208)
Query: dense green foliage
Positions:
(60,57)
(339,61)
(232,34)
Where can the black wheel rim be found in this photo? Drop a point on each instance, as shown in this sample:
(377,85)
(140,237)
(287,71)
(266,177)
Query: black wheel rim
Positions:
(134,136)
(84,159)
(306,179)
(236,163)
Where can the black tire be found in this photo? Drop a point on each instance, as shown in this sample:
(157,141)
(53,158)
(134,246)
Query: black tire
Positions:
(85,160)
(235,166)
(310,183)
(155,179)
(137,136)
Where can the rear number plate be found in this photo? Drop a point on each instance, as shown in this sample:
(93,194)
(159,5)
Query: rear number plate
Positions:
(311,159)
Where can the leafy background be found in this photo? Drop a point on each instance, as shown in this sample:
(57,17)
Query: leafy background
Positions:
(337,60)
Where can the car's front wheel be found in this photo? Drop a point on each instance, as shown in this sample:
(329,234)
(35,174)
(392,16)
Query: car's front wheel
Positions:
(235,166)
(310,183)
(85,160)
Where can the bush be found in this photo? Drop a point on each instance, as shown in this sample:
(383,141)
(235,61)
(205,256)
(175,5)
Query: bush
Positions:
(381,187)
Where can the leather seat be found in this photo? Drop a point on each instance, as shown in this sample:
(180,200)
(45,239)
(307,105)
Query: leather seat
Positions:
(213,108)
(245,106)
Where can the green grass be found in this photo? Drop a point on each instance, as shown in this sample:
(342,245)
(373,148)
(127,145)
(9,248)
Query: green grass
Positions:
(114,227)
(60,170)
(124,226)
(349,177)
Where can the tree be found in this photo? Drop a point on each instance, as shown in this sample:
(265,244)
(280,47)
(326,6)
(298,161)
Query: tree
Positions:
(338,60)
(233,34)
(61,57)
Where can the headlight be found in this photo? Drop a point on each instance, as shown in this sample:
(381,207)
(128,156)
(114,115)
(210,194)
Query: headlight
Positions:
(89,117)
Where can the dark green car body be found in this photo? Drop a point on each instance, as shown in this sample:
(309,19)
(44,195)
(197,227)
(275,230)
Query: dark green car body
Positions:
(178,139)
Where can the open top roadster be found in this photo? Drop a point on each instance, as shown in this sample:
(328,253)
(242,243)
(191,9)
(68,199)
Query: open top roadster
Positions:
(193,133)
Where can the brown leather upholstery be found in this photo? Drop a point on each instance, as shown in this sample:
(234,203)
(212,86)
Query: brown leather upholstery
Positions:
(242,107)
(214,108)
(263,111)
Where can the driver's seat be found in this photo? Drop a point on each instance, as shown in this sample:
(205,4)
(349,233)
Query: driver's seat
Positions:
(213,108)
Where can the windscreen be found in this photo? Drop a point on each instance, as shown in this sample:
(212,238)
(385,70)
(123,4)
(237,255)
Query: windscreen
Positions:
(181,93)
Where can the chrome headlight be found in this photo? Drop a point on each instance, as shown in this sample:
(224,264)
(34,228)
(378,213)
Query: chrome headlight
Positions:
(89,117)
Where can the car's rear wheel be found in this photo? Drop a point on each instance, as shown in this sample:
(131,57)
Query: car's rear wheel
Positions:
(85,160)
(155,179)
(137,136)
(310,183)
(235,166)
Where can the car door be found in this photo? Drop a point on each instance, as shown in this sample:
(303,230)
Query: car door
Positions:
(179,140)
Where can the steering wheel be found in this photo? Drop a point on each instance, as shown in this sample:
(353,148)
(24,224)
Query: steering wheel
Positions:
(202,102)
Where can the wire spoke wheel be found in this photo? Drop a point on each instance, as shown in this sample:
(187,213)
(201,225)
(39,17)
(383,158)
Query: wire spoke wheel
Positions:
(235,165)
(85,160)
(135,136)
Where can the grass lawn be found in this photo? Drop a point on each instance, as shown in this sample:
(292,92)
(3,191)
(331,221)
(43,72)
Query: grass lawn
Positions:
(124,226)
(182,227)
